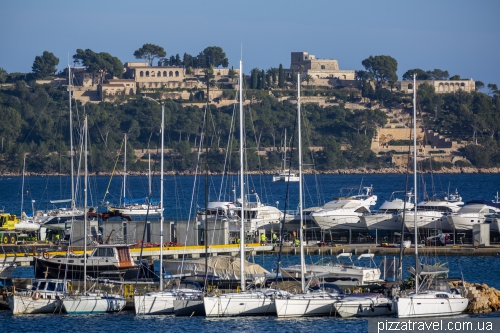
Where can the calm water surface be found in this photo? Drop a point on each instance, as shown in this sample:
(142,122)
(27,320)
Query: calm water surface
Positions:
(179,194)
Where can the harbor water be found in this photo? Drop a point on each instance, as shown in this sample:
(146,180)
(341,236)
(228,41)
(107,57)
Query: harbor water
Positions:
(178,194)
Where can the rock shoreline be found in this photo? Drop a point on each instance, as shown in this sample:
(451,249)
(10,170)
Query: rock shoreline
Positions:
(357,171)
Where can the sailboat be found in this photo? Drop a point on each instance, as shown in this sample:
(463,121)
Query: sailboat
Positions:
(245,303)
(56,218)
(285,175)
(433,297)
(91,302)
(139,206)
(307,303)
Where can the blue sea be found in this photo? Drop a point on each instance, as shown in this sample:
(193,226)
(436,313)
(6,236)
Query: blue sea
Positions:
(183,194)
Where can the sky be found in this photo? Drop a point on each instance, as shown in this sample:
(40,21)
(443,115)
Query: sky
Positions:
(460,36)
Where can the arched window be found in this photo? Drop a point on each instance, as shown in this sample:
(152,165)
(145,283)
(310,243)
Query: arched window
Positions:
(165,73)
(410,86)
(176,73)
(159,73)
(141,74)
(147,73)
(322,66)
(170,73)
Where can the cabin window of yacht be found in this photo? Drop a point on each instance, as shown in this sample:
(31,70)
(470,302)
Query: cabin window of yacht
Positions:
(34,287)
(51,286)
(104,252)
(41,285)
(59,287)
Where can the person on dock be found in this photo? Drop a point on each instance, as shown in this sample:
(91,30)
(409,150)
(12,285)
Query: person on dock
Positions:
(274,239)
(262,239)
(297,242)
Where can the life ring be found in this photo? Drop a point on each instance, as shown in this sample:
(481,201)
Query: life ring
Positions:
(36,295)
(46,255)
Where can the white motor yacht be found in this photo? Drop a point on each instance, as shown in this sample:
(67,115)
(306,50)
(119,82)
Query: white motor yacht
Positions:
(387,216)
(474,212)
(344,212)
(432,213)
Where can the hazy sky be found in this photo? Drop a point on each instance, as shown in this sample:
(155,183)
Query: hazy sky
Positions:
(460,36)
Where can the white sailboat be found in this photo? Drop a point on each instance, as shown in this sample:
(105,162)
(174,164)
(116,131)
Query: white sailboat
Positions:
(305,304)
(162,301)
(244,303)
(285,175)
(56,218)
(365,305)
(140,206)
(42,296)
(91,302)
(433,298)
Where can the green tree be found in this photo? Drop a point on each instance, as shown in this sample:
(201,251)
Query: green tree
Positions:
(455,77)
(437,74)
(281,76)
(102,63)
(364,76)
(383,68)
(3,75)
(215,56)
(150,52)
(45,64)
(479,85)
(421,74)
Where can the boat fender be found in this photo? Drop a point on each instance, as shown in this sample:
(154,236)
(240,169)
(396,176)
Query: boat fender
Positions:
(46,255)
(36,295)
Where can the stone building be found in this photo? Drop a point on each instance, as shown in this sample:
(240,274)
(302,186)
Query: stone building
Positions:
(155,77)
(440,86)
(321,70)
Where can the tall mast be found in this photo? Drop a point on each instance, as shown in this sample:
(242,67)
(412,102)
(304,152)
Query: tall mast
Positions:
(417,262)
(161,193)
(22,188)
(205,137)
(125,170)
(242,186)
(301,232)
(85,218)
(71,140)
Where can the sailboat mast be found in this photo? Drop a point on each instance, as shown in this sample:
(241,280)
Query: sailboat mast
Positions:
(71,140)
(205,137)
(85,210)
(161,192)
(22,187)
(417,262)
(242,187)
(284,154)
(125,170)
(301,232)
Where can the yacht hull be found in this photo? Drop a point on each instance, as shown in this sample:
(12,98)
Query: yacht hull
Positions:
(93,304)
(415,306)
(239,305)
